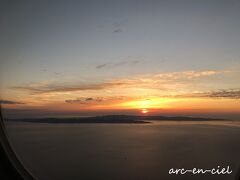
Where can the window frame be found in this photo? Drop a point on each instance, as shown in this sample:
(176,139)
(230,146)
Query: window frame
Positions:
(10,166)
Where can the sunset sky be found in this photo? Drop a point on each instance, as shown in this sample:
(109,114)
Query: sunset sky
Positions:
(83,58)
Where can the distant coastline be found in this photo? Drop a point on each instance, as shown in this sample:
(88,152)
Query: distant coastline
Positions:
(113,119)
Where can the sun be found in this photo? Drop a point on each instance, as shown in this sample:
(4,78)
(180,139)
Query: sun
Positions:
(144,111)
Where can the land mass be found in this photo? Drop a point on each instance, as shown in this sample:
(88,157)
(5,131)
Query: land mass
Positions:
(113,119)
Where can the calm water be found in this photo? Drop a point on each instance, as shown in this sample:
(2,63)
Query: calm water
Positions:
(126,151)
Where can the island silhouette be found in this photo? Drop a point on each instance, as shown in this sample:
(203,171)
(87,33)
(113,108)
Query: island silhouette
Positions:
(113,119)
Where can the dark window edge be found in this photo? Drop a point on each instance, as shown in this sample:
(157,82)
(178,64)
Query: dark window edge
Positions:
(11,166)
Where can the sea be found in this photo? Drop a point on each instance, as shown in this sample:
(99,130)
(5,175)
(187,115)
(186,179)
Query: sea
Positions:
(127,151)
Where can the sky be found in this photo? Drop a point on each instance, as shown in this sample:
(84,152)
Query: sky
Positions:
(87,58)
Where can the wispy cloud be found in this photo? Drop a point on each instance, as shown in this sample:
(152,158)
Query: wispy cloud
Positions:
(101,66)
(117,27)
(188,74)
(160,81)
(121,63)
(10,102)
(72,101)
(57,88)
(118,30)
(221,94)
(172,80)
(103,100)
(84,100)
(232,94)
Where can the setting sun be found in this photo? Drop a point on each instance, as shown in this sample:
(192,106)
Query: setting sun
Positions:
(144,111)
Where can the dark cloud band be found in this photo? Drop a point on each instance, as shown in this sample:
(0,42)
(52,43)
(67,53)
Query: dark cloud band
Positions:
(9,102)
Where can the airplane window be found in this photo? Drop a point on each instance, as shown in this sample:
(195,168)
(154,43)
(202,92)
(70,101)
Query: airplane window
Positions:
(122,89)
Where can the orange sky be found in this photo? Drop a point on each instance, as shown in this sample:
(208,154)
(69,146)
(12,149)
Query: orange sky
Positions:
(86,58)
(176,93)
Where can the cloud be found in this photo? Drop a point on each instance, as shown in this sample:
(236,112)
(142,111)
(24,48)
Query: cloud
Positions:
(83,100)
(88,99)
(223,94)
(232,93)
(218,94)
(92,100)
(117,27)
(188,74)
(175,81)
(118,30)
(56,88)
(118,64)
(10,102)
(101,66)
(71,101)
(229,94)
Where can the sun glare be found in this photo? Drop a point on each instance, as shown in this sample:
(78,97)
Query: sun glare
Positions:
(144,111)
